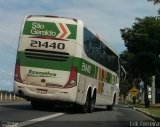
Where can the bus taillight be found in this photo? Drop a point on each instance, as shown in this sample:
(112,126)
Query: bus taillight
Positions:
(72,78)
(17,76)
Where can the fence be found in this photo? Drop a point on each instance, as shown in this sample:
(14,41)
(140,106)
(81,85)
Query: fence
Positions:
(9,97)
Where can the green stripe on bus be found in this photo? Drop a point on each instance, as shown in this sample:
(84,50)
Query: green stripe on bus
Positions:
(83,67)
(73,30)
(41,63)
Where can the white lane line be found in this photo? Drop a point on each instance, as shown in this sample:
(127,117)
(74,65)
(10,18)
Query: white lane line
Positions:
(38,119)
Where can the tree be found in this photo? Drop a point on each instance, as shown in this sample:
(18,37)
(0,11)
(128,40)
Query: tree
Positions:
(126,85)
(143,41)
(155,1)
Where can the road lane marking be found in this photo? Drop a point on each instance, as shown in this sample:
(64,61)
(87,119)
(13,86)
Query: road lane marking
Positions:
(32,121)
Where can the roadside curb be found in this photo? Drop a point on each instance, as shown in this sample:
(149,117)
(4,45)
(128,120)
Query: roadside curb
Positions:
(156,118)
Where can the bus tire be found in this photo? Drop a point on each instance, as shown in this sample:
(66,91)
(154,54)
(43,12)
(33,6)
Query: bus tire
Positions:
(92,103)
(34,104)
(110,107)
(86,105)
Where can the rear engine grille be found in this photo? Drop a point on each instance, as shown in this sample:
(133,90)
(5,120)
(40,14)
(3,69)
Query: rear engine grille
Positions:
(46,55)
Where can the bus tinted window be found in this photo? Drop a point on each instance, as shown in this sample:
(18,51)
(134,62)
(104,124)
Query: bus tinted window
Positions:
(99,52)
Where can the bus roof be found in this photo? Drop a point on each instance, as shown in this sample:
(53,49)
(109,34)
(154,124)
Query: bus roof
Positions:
(50,16)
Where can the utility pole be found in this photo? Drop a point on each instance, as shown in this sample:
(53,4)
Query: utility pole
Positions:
(153,90)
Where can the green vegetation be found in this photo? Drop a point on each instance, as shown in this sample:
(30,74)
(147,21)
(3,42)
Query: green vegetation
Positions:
(155,1)
(152,110)
(141,60)
(137,105)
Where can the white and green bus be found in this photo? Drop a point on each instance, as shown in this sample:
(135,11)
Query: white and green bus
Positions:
(61,60)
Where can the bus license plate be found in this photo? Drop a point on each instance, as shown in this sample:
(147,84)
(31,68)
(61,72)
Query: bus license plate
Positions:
(42,91)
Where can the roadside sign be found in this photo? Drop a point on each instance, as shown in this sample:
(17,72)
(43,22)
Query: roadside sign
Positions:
(134,91)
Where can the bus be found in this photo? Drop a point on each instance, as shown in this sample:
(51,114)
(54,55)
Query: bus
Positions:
(60,60)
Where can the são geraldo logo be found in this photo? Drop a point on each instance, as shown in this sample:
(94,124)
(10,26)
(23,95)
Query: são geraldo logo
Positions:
(59,30)
(39,29)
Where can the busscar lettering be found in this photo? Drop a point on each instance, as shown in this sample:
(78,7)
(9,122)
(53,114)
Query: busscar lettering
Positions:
(41,73)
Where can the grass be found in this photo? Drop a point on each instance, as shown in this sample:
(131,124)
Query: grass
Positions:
(152,110)
(137,105)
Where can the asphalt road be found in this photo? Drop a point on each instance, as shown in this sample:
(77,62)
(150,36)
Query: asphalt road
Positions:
(21,114)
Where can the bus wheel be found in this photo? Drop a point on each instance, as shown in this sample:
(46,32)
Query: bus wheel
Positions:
(110,107)
(37,104)
(86,105)
(92,103)
(34,104)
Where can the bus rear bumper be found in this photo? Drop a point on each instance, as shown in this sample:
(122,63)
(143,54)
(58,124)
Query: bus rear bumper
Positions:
(31,92)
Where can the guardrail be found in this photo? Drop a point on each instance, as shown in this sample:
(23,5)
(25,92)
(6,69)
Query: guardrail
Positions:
(9,97)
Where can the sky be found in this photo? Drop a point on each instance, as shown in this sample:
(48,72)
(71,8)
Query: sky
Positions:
(105,17)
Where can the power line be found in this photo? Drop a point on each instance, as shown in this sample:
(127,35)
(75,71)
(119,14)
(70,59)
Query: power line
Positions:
(7,49)
(7,57)
(6,44)
(8,60)
(4,63)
